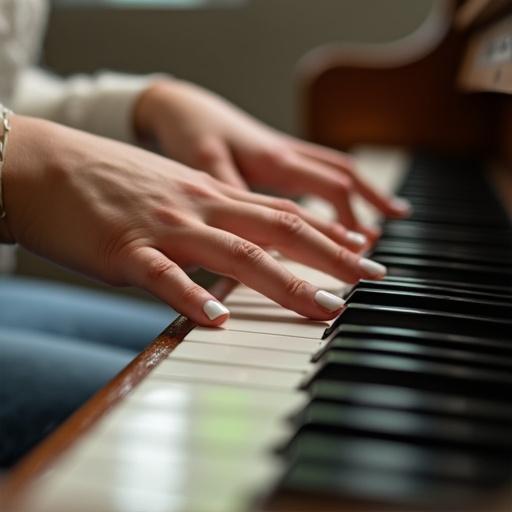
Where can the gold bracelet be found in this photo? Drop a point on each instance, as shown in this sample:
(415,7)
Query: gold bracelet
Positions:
(4,138)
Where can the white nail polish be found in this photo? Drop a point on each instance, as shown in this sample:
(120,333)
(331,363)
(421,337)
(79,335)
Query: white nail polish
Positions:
(328,300)
(372,267)
(356,238)
(214,309)
(402,204)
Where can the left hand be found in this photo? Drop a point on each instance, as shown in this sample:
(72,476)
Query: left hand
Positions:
(203,131)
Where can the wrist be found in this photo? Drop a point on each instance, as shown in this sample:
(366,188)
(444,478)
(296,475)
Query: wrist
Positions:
(30,149)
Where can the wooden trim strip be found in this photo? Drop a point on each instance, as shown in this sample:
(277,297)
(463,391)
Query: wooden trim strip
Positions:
(47,452)
(474,13)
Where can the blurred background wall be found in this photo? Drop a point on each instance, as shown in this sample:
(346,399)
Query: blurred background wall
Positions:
(247,53)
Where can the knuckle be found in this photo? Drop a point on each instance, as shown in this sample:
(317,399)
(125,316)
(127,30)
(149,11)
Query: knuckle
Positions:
(157,267)
(342,256)
(244,251)
(288,223)
(296,286)
(207,151)
(201,188)
(275,156)
(169,217)
(116,251)
(191,294)
(345,258)
(343,186)
(210,183)
(348,184)
(287,205)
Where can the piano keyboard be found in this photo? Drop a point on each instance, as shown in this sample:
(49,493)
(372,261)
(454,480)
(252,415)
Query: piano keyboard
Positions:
(403,400)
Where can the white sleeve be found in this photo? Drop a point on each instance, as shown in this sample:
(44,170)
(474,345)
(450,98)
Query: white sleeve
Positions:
(102,103)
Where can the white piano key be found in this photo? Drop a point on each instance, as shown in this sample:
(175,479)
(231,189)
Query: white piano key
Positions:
(315,277)
(253,312)
(241,290)
(255,340)
(241,423)
(158,394)
(243,356)
(71,493)
(255,301)
(278,321)
(176,474)
(244,296)
(227,374)
(194,436)
(168,472)
(383,167)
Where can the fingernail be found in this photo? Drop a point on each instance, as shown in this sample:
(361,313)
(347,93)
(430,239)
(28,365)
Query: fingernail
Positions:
(372,267)
(356,238)
(214,309)
(402,205)
(328,300)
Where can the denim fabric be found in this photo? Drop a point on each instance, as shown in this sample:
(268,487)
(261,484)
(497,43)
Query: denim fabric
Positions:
(58,346)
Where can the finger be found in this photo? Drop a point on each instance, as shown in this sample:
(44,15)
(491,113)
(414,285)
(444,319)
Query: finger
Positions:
(214,157)
(295,238)
(341,190)
(153,271)
(300,175)
(334,230)
(391,207)
(224,253)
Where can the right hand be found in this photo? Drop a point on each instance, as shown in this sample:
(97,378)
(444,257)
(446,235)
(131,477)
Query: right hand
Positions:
(130,217)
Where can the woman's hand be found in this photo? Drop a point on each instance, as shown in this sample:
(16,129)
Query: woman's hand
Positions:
(130,217)
(203,131)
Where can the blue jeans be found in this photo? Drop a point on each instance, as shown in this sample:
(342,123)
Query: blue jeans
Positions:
(58,346)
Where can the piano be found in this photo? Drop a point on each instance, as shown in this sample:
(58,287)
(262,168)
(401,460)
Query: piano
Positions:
(403,402)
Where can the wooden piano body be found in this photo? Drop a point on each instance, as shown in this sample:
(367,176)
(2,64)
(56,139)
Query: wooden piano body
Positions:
(442,89)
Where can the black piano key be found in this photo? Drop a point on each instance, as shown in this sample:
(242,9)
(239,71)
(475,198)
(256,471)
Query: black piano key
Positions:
(447,270)
(402,371)
(411,400)
(407,230)
(329,450)
(447,283)
(446,291)
(455,217)
(445,210)
(430,301)
(380,486)
(432,321)
(486,346)
(461,254)
(416,428)
(417,351)
(404,399)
